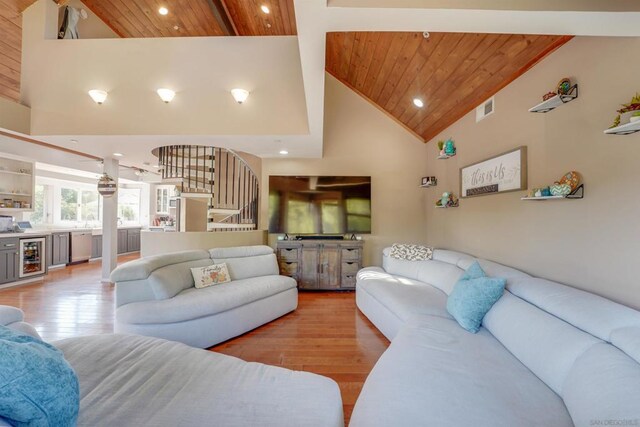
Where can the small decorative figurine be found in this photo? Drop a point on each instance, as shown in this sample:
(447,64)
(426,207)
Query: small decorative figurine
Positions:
(564,86)
(448,200)
(546,192)
(449,147)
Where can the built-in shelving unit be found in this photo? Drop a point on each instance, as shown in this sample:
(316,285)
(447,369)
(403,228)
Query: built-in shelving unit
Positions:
(578,193)
(17,183)
(625,129)
(556,101)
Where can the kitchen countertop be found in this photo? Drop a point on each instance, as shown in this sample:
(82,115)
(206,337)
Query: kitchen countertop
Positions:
(46,232)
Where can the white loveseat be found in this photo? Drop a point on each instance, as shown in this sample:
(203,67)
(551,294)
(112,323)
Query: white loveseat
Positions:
(547,354)
(156,296)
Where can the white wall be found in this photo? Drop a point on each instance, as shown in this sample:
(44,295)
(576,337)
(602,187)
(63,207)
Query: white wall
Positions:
(592,243)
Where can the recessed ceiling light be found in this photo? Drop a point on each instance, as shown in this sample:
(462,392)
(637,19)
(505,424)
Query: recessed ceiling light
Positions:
(418,102)
(240,95)
(118,154)
(166,95)
(163,11)
(265,9)
(98,96)
(284,152)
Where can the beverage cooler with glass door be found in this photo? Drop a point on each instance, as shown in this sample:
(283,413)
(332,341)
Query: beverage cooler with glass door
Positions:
(32,257)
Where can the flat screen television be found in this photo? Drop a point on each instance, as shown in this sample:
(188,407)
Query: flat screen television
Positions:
(320,205)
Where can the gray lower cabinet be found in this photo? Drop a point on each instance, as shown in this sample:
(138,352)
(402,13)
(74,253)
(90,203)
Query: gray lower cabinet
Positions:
(96,246)
(60,248)
(321,264)
(133,240)
(9,260)
(122,241)
(128,241)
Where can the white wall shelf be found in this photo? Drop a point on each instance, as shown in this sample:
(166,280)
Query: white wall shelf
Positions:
(626,129)
(428,185)
(445,156)
(14,173)
(17,184)
(578,193)
(556,101)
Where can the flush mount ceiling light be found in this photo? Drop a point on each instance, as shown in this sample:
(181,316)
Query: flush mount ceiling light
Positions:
(118,154)
(240,95)
(166,95)
(265,9)
(284,152)
(418,102)
(98,96)
(163,11)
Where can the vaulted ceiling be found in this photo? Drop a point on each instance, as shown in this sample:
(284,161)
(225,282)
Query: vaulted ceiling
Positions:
(451,73)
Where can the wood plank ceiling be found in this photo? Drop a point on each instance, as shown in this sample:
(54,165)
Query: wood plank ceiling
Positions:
(451,73)
(11,46)
(140,18)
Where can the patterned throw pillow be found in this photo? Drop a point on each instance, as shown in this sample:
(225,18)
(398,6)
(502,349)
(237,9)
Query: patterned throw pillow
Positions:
(210,275)
(411,252)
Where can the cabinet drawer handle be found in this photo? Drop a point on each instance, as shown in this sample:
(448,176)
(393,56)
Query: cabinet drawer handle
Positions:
(288,263)
(350,263)
(10,245)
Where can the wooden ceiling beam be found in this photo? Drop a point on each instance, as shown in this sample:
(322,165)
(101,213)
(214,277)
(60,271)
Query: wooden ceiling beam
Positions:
(221,13)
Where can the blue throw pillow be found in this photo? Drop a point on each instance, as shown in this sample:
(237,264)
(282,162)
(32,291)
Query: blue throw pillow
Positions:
(37,385)
(473,272)
(473,296)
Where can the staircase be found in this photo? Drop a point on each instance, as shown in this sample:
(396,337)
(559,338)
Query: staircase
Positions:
(216,174)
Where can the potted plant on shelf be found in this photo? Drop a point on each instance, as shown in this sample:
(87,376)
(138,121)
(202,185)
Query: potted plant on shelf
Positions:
(630,110)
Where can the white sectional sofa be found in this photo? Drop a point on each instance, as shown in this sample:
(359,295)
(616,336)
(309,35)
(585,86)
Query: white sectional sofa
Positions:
(128,380)
(547,354)
(155,296)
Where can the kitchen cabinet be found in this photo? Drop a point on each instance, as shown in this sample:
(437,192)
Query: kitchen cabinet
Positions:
(96,246)
(128,241)
(9,260)
(60,250)
(321,264)
(122,241)
(133,240)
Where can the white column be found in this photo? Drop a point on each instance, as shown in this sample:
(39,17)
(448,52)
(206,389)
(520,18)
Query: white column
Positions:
(110,223)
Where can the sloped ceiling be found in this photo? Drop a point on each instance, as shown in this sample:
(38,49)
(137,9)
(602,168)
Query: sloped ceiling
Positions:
(451,73)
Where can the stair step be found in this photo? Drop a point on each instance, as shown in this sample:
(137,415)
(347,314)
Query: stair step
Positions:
(196,195)
(228,225)
(222,211)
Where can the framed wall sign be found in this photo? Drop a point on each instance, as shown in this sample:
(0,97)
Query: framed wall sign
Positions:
(499,174)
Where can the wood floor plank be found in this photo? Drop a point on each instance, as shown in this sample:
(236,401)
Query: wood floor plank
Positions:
(326,335)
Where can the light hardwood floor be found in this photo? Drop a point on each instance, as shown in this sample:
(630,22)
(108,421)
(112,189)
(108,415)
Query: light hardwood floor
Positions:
(326,335)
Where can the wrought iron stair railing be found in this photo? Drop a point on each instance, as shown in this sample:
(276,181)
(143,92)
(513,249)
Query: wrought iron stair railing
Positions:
(217,174)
